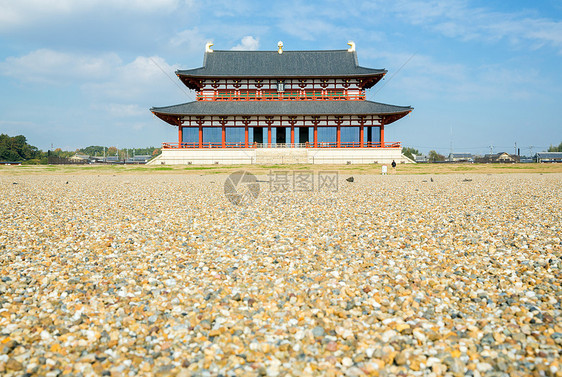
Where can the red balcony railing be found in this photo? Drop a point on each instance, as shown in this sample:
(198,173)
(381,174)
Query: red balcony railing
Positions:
(278,96)
(207,145)
(204,145)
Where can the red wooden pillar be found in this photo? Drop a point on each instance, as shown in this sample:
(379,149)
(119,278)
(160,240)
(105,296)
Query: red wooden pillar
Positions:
(223,143)
(292,135)
(338,136)
(180,136)
(200,137)
(361,135)
(381,128)
(269,136)
(246,137)
(315,137)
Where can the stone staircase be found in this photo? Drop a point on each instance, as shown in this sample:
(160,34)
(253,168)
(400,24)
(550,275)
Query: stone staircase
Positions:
(281,156)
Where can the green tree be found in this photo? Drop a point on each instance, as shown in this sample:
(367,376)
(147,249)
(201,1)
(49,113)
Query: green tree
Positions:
(410,152)
(16,148)
(435,157)
(93,150)
(554,148)
(97,150)
(8,155)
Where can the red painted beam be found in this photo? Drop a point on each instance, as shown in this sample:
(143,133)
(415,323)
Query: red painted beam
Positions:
(315,137)
(338,136)
(361,134)
(269,136)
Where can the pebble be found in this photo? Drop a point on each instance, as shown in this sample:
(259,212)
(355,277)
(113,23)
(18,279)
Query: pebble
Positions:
(318,331)
(160,274)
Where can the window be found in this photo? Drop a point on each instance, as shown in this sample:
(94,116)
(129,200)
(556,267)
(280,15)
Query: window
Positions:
(235,135)
(190,135)
(326,135)
(280,86)
(212,135)
(350,134)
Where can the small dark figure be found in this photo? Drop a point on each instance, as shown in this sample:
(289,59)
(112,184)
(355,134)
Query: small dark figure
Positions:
(393,167)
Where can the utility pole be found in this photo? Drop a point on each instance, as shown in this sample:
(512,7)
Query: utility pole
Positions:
(451,146)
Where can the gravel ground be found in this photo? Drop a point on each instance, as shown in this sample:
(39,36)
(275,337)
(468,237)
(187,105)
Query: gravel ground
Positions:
(456,275)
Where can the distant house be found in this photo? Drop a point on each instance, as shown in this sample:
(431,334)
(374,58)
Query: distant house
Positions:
(139,159)
(460,157)
(548,157)
(526,160)
(420,158)
(502,157)
(80,158)
(112,160)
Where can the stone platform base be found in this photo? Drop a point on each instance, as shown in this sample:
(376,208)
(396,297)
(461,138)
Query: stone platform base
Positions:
(260,156)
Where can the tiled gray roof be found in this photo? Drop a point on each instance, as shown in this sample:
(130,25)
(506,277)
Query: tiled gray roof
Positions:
(340,63)
(549,154)
(282,108)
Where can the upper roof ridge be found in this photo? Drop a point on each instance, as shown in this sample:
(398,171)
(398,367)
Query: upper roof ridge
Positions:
(291,63)
(275,51)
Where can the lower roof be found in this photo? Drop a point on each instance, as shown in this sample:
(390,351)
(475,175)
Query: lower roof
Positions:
(339,107)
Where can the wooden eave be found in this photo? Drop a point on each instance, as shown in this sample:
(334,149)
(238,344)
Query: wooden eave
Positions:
(173,119)
(391,118)
(195,81)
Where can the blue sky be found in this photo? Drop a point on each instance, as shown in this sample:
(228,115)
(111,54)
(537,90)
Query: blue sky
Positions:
(478,73)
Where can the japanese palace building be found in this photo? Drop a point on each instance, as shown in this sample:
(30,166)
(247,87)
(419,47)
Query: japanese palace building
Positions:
(280,107)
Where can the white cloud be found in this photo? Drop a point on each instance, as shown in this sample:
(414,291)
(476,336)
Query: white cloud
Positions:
(111,86)
(104,76)
(311,22)
(20,13)
(190,40)
(248,43)
(423,77)
(55,67)
(123,110)
(456,19)
(145,77)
